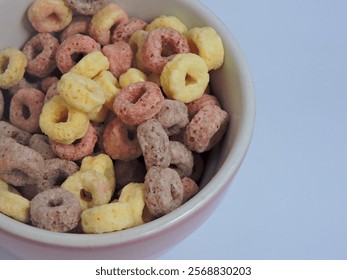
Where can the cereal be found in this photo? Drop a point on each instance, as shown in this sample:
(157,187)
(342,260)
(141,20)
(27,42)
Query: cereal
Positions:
(2,104)
(90,187)
(100,26)
(167,22)
(204,100)
(198,167)
(86,7)
(19,165)
(99,116)
(84,147)
(14,206)
(91,65)
(181,159)
(49,15)
(136,43)
(70,49)
(40,52)
(78,25)
(154,144)
(131,76)
(52,91)
(127,28)
(120,56)
(185,77)
(62,122)
(12,67)
(190,188)
(25,109)
(40,143)
(23,83)
(47,82)
(206,42)
(3,186)
(110,86)
(164,190)
(138,102)
(173,116)
(206,128)
(160,46)
(17,134)
(81,92)
(120,141)
(125,213)
(129,171)
(56,210)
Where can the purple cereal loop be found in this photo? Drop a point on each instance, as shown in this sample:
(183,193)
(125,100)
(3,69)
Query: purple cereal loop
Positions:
(86,7)
(181,159)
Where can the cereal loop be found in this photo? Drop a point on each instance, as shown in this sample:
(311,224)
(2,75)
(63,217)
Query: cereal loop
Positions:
(91,65)
(61,122)
(102,22)
(110,85)
(80,92)
(86,7)
(161,46)
(56,210)
(127,28)
(181,159)
(25,109)
(10,131)
(40,52)
(12,67)
(204,100)
(78,25)
(167,22)
(72,48)
(190,188)
(14,206)
(120,141)
(84,147)
(49,15)
(136,43)
(138,102)
(185,77)
(131,76)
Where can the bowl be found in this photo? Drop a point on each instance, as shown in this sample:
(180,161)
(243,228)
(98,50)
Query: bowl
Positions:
(232,85)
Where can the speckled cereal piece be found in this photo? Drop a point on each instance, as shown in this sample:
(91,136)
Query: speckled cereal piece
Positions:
(19,135)
(78,25)
(127,28)
(86,7)
(204,100)
(190,188)
(181,159)
(40,143)
(129,171)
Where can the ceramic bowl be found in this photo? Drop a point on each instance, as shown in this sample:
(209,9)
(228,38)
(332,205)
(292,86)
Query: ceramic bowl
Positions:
(232,85)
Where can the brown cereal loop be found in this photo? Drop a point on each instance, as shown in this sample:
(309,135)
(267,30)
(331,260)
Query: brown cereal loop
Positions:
(25,109)
(160,46)
(154,143)
(120,56)
(138,102)
(164,190)
(72,48)
(173,116)
(78,25)
(40,143)
(76,151)
(10,131)
(132,171)
(204,100)
(55,210)
(86,7)
(49,15)
(190,188)
(19,165)
(206,128)
(120,141)
(40,52)
(181,159)
(127,28)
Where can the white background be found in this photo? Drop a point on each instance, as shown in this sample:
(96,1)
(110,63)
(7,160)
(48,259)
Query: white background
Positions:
(289,199)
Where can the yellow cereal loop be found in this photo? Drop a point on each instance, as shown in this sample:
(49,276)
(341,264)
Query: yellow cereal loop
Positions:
(103,164)
(12,67)
(185,77)
(136,42)
(131,76)
(80,92)
(99,116)
(3,185)
(110,86)
(206,42)
(62,122)
(14,206)
(167,22)
(91,65)
(90,187)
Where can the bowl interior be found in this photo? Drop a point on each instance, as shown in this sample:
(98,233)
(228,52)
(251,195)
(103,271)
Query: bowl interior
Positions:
(231,84)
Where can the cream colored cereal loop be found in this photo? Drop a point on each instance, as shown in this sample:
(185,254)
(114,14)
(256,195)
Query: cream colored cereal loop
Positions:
(12,67)
(125,213)
(167,22)
(110,86)
(14,206)
(185,77)
(103,164)
(207,43)
(91,65)
(61,122)
(3,185)
(131,76)
(136,42)
(90,187)
(80,92)
(99,116)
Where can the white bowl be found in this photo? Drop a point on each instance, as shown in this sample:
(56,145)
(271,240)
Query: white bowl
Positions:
(232,85)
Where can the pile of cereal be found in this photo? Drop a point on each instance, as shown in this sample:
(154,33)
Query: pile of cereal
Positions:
(104,118)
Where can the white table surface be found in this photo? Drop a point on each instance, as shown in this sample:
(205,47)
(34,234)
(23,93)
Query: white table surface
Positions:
(289,199)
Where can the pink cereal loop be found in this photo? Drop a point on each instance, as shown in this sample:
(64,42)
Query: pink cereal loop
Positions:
(78,25)
(127,28)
